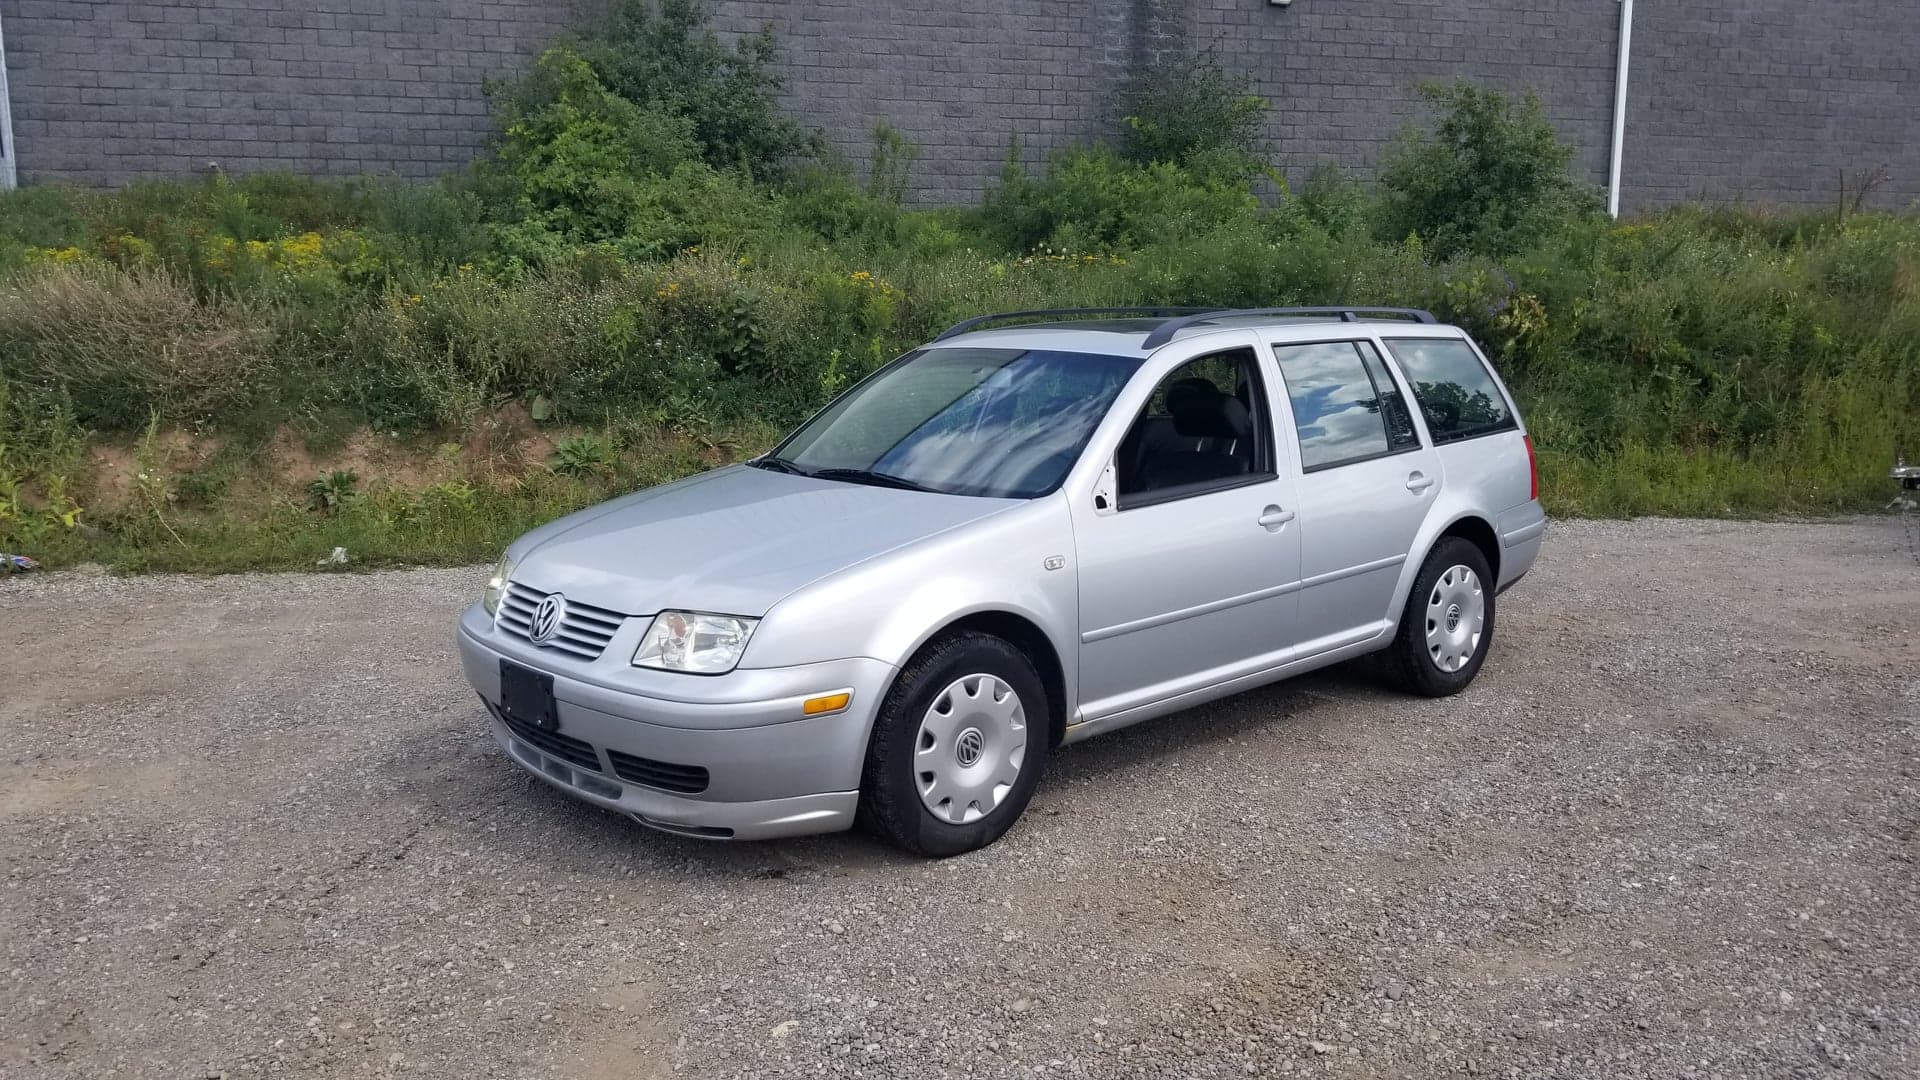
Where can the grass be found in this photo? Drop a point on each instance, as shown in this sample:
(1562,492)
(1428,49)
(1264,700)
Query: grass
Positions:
(232,374)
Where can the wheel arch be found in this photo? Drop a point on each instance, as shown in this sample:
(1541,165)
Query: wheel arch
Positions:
(1469,526)
(1477,531)
(1027,636)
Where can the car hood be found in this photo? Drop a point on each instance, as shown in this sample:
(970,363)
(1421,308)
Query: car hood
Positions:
(732,541)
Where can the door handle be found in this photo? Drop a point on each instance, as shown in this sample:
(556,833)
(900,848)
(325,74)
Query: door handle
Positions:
(1273,517)
(1419,482)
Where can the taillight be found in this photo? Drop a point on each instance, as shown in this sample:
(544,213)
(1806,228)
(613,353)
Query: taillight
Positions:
(1533,469)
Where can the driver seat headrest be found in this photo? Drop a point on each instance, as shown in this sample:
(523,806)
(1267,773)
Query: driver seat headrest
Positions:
(1200,411)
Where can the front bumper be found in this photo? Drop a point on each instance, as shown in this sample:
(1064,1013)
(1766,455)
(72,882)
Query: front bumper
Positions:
(741,759)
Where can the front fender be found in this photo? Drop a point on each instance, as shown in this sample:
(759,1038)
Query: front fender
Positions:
(889,607)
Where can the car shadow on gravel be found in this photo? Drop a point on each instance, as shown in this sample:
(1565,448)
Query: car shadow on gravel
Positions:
(1277,705)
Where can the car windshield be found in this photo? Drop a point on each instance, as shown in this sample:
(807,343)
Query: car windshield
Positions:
(1000,423)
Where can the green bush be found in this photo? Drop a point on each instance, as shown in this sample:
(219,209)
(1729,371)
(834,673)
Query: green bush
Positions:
(1491,178)
(1187,109)
(660,54)
(1094,201)
(576,158)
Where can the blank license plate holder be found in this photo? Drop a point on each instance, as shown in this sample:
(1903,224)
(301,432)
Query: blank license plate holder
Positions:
(526,695)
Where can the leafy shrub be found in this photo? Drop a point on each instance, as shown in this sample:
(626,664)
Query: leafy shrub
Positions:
(1187,109)
(436,227)
(1333,201)
(1093,200)
(574,156)
(1491,178)
(659,54)
(333,491)
(584,455)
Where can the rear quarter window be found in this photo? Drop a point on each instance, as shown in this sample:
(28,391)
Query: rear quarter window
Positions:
(1455,391)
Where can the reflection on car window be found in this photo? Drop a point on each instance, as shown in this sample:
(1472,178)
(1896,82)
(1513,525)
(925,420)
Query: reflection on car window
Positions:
(1336,411)
(1393,407)
(1456,394)
(1003,423)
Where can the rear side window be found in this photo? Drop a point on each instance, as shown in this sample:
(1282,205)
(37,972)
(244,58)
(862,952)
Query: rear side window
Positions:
(1456,394)
(1339,411)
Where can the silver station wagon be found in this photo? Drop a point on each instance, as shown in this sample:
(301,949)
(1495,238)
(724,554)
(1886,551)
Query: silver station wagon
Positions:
(1040,527)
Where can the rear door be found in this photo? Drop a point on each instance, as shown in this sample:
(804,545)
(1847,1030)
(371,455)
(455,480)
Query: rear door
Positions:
(1366,484)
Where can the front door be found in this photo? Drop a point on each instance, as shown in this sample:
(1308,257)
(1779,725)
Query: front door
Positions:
(1366,486)
(1189,553)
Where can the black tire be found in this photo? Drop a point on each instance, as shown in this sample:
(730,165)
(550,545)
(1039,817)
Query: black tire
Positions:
(1410,661)
(890,802)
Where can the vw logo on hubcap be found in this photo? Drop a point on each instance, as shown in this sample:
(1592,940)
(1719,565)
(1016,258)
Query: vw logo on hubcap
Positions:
(1453,618)
(966,749)
(546,618)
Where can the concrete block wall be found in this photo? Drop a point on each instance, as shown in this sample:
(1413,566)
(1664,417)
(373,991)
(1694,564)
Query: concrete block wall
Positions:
(962,79)
(1772,100)
(1758,99)
(106,91)
(1763,99)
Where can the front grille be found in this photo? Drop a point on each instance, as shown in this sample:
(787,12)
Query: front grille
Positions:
(665,775)
(584,630)
(564,747)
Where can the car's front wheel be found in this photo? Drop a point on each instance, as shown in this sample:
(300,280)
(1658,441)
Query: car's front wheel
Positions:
(957,748)
(1447,626)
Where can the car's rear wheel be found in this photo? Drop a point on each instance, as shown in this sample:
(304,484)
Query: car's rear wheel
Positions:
(1447,626)
(957,748)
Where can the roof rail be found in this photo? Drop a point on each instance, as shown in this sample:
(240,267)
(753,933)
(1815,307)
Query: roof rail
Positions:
(1156,312)
(1164,332)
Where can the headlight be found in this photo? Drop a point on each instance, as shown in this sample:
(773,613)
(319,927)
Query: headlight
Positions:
(694,642)
(497,585)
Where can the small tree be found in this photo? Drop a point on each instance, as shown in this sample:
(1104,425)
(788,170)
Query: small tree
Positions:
(661,53)
(1190,110)
(575,156)
(1489,178)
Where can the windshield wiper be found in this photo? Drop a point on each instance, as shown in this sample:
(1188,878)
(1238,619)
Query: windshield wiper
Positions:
(774,464)
(868,476)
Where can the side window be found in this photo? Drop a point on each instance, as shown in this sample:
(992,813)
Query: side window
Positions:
(1340,413)
(1205,428)
(1455,392)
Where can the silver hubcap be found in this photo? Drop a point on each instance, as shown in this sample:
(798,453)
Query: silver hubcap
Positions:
(1456,618)
(969,749)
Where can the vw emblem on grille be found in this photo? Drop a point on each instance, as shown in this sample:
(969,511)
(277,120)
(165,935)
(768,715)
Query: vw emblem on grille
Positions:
(546,619)
(967,748)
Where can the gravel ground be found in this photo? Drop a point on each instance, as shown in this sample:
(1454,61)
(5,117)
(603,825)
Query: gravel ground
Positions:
(254,826)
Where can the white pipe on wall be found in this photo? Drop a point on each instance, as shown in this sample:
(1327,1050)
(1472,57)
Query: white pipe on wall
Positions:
(1620,107)
(7,177)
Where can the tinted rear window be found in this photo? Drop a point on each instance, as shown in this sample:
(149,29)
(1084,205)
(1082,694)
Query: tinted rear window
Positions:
(1456,393)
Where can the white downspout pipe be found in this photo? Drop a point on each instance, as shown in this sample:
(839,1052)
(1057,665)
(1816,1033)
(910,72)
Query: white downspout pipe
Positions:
(7,177)
(1620,107)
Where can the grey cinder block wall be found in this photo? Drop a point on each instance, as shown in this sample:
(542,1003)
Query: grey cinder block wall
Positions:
(1771,100)
(105,91)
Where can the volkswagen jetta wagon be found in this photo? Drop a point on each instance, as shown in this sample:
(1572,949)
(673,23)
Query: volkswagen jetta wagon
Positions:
(1039,527)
